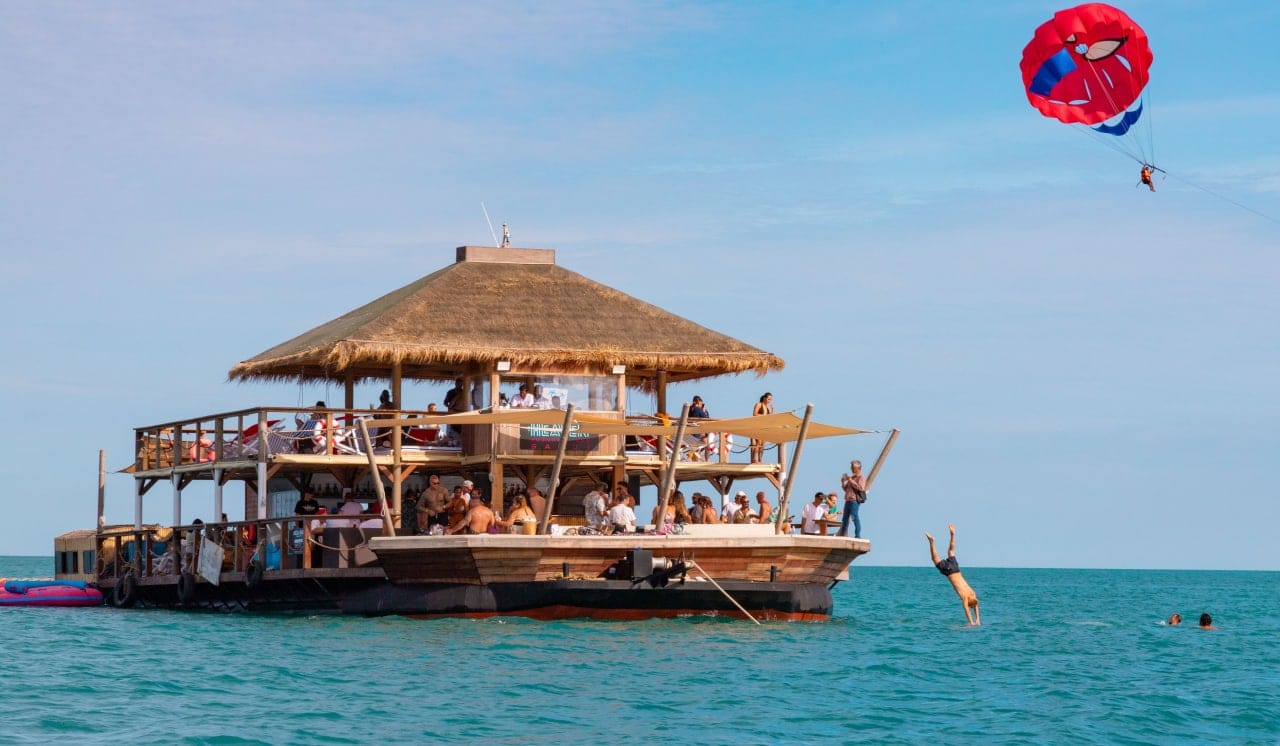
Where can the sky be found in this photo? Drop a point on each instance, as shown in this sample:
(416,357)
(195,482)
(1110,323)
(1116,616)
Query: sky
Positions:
(1085,374)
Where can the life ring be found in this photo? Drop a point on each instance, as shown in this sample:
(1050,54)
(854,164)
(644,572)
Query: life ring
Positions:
(253,575)
(125,594)
(186,588)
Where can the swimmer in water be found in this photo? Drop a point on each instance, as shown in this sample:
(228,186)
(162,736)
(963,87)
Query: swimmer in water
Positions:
(1206,621)
(1174,620)
(951,569)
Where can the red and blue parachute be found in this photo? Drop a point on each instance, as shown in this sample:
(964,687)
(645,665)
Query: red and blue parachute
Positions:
(1088,66)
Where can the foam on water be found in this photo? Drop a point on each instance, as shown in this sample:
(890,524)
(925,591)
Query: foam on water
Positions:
(1062,654)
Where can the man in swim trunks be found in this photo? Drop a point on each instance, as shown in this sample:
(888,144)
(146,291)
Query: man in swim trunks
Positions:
(951,569)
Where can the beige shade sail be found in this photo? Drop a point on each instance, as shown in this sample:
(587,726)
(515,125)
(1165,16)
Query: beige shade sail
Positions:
(782,427)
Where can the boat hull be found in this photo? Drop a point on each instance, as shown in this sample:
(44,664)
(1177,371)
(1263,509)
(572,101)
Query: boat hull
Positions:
(544,577)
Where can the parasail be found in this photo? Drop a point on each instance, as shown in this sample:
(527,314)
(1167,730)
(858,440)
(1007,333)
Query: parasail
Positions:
(1088,66)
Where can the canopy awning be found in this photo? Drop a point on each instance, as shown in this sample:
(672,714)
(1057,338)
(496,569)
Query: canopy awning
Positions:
(782,427)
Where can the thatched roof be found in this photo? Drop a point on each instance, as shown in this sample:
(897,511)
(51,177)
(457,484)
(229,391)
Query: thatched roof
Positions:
(506,304)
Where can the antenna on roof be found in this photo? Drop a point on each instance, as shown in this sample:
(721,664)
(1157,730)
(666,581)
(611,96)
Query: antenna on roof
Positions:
(490,222)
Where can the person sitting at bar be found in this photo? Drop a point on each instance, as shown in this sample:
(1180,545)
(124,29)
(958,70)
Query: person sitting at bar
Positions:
(457,509)
(537,503)
(478,519)
(523,399)
(519,514)
(813,513)
(622,517)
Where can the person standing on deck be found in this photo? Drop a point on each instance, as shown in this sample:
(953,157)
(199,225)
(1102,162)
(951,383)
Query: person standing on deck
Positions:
(432,504)
(306,505)
(951,569)
(766,510)
(855,493)
(763,407)
(595,507)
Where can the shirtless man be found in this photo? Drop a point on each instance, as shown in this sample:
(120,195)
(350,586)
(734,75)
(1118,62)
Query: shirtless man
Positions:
(950,568)
(766,510)
(431,505)
(479,519)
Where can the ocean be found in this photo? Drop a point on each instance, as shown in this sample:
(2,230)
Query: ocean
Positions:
(1079,656)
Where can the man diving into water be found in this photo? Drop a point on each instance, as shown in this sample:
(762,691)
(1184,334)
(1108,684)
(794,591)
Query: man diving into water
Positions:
(951,569)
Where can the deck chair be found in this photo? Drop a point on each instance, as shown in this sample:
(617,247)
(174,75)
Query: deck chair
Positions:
(248,441)
(156,451)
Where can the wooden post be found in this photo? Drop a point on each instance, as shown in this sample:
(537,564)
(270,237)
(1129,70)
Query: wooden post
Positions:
(264,446)
(387,528)
(553,484)
(397,440)
(661,440)
(884,452)
(791,476)
(497,487)
(217,495)
(397,371)
(349,391)
(669,474)
(495,469)
(101,489)
(137,505)
(177,499)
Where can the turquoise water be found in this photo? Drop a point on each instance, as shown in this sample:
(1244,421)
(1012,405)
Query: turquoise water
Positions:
(1063,655)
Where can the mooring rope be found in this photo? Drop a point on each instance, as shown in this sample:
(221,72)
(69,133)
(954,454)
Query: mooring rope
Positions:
(693,564)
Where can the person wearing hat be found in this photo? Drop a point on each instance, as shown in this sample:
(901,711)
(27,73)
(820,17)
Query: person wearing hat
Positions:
(813,513)
(731,506)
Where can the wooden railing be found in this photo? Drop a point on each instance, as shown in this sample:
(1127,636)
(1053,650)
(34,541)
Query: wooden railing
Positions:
(258,434)
(286,543)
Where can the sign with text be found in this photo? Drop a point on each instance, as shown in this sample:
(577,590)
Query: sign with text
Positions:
(546,438)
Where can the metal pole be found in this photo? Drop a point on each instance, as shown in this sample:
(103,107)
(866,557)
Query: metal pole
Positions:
(888,446)
(791,475)
(102,488)
(553,486)
(669,476)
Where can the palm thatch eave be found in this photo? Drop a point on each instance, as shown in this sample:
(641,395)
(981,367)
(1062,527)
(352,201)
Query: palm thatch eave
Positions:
(465,318)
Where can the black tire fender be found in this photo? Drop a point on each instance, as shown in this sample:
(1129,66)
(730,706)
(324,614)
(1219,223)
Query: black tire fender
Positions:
(125,594)
(253,575)
(186,588)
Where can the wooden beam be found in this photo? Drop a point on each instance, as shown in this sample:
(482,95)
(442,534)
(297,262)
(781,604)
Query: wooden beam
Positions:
(884,453)
(553,484)
(388,529)
(795,462)
(669,475)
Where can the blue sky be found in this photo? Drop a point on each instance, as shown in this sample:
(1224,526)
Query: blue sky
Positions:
(1085,374)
